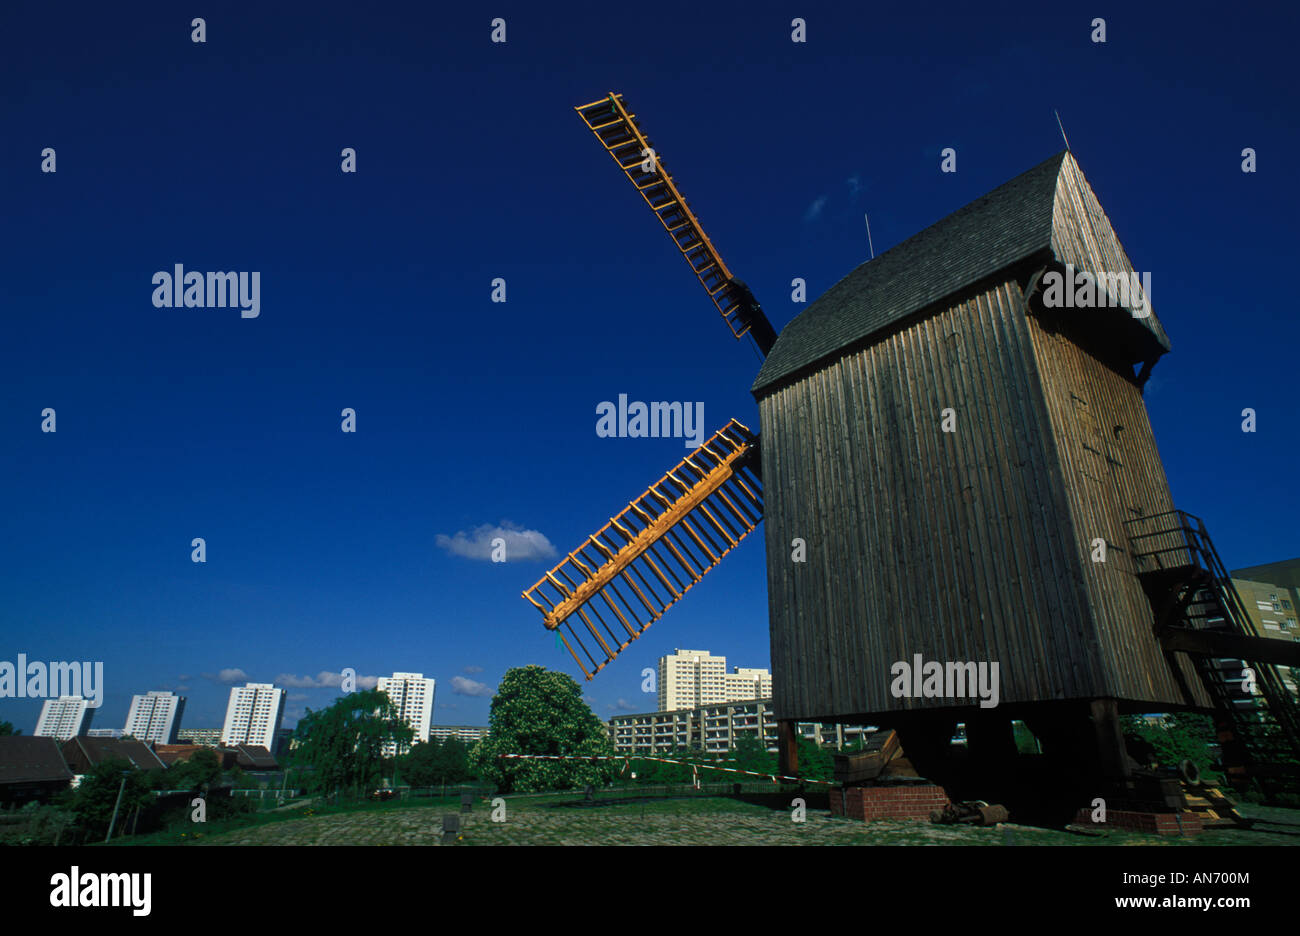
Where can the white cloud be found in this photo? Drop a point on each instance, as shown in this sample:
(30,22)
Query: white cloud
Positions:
(322,680)
(231,675)
(855,185)
(462,686)
(472,669)
(815,209)
(521,545)
(622,705)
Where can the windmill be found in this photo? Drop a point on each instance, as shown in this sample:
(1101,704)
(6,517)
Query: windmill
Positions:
(974,474)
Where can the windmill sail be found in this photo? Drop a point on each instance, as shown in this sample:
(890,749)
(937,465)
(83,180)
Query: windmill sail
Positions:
(619,133)
(624,577)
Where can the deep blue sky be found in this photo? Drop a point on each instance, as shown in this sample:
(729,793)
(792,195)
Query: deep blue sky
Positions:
(322,553)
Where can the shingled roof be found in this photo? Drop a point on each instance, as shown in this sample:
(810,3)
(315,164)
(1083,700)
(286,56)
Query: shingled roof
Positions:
(83,753)
(1010,224)
(30,759)
(255,757)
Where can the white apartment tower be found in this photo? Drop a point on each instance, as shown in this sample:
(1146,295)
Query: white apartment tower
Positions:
(253,715)
(155,716)
(64,717)
(692,678)
(747,684)
(413,696)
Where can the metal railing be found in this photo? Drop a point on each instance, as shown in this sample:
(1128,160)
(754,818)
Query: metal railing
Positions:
(1176,539)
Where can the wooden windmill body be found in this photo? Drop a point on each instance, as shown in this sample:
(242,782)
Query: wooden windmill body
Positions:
(1001,539)
(970,469)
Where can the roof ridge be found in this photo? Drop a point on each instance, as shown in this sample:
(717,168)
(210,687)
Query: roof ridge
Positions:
(1001,227)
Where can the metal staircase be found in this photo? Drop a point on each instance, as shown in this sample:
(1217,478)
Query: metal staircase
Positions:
(1198,611)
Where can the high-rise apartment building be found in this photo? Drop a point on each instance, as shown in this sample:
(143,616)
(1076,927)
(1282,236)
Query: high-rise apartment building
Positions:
(64,717)
(413,696)
(747,684)
(155,716)
(253,715)
(692,678)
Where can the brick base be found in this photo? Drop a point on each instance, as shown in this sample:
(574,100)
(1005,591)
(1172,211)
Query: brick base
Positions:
(1149,822)
(899,801)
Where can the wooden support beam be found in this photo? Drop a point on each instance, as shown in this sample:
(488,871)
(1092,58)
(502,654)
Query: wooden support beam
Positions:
(787,748)
(1229,645)
(1112,758)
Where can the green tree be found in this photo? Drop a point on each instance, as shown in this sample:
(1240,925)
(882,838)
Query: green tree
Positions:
(750,754)
(815,762)
(93,799)
(537,711)
(655,772)
(453,761)
(1185,736)
(419,767)
(202,769)
(7,729)
(433,763)
(343,744)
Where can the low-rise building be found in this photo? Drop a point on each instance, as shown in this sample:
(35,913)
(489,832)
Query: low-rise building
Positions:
(171,754)
(1271,596)
(467,733)
(211,737)
(716,729)
(31,769)
(83,753)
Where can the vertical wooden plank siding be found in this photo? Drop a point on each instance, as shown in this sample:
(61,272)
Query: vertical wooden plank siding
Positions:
(974,545)
(1111,477)
(957,546)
